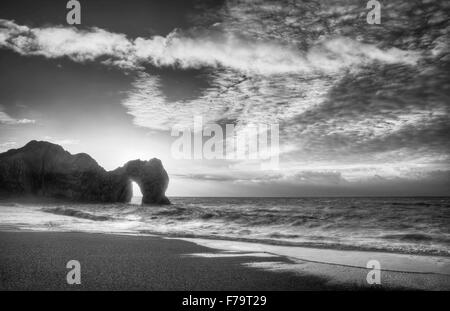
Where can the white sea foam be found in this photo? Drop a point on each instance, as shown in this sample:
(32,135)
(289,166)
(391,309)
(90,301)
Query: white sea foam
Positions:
(402,225)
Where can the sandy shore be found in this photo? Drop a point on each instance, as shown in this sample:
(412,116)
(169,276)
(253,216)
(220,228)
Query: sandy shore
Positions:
(37,261)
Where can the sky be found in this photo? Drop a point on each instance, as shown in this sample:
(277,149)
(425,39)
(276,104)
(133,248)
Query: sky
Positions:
(362,109)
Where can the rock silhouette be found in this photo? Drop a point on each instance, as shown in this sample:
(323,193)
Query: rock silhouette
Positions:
(45,170)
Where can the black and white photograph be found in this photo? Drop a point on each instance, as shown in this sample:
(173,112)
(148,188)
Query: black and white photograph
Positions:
(224,146)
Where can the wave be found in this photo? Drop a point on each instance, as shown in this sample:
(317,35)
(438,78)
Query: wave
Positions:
(425,204)
(341,223)
(75,213)
(311,244)
(419,237)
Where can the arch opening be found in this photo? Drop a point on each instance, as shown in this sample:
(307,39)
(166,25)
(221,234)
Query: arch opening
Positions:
(137,195)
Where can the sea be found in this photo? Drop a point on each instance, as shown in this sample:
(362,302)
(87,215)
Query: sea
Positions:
(411,225)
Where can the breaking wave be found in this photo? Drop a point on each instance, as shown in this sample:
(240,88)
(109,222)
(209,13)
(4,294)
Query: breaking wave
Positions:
(404,225)
(75,213)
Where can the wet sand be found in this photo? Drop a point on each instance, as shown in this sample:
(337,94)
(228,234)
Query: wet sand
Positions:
(37,261)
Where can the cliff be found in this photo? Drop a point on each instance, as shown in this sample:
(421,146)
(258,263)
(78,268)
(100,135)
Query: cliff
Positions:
(43,169)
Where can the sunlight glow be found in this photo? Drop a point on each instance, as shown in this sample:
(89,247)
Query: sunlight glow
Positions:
(137,194)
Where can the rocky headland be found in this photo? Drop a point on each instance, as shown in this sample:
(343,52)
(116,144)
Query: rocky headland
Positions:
(44,170)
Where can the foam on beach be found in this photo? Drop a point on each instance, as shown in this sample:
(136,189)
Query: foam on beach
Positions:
(339,266)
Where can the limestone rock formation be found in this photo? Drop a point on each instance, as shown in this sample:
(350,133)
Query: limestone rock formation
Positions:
(151,177)
(43,169)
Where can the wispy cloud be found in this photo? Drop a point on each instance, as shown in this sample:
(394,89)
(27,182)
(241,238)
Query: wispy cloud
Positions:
(60,41)
(311,182)
(8,120)
(183,50)
(356,103)
(352,100)
(7,145)
(63,142)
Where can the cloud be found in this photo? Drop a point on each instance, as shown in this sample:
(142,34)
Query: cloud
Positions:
(354,101)
(7,145)
(262,57)
(211,49)
(311,183)
(8,120)
(63,142)
(60,41)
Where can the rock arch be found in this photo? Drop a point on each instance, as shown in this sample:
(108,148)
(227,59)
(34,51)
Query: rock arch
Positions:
(45,170)
(151,177)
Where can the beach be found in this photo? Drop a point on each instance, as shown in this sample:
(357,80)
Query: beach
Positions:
(37,261)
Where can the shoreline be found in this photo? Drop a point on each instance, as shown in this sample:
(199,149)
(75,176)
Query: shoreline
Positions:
(335,247)
(268,242)
(100,218)
(120,256)
(131,219)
